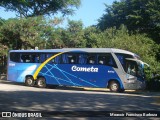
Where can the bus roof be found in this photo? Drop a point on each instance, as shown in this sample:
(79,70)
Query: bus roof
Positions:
(38,51)
(92,50)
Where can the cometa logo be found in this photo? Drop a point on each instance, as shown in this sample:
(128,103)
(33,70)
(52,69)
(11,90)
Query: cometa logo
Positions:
(84,69)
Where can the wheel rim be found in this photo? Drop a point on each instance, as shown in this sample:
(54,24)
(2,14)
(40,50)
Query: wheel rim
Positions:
(29,81)
(40,83)
(114,87)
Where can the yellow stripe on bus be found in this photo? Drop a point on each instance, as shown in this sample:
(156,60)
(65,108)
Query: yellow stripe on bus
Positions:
(43,64)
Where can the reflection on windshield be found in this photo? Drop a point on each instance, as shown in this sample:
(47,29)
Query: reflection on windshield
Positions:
(134,68)
(140,70)
(131,67)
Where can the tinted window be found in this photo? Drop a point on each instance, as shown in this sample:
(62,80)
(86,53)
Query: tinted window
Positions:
(91,59)
(57,60)
(122,59)
(15,57)
(106,59)
(97,58)
(69,58)
(82,58)
(30,57)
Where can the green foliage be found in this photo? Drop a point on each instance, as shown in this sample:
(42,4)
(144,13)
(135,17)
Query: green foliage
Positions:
(31,32)
(131,25)
(56,39)
(24,33)
(137,15)
(72,36)
(142,21)
(138,43)
(91,36)
(30,8)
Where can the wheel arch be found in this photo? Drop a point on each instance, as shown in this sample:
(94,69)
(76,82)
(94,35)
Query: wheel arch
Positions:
(41,76)
(28,76)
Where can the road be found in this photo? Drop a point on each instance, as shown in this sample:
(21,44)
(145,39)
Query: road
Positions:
(17,97)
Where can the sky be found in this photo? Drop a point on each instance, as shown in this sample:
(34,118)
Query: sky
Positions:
(89,12)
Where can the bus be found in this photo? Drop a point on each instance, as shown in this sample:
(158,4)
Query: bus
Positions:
(111,68)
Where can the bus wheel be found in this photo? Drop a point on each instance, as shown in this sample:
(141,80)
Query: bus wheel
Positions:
(29,81)
(41,82)
(114,86)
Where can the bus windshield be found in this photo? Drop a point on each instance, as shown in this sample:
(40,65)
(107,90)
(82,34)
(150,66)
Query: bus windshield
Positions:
(135,67)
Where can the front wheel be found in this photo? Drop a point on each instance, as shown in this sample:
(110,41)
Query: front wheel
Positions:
(29,81)
(41,82)
(114,86)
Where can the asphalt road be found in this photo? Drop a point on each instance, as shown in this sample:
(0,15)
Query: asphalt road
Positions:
(17,97)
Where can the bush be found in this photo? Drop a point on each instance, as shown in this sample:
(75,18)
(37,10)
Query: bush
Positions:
(154,83)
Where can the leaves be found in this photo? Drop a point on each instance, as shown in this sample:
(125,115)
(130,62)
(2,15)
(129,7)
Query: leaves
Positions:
(132,25)
(24,33)
(137,15)
(31,8)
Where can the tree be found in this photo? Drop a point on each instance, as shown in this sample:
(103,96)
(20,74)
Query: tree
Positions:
(91,37)
(73,35)
(25,33)
(56,39)
(138,15)
(29,8)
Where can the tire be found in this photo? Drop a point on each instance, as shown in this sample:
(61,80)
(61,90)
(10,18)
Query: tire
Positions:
(41,82)
(121,90)
(29,81)
(114,86)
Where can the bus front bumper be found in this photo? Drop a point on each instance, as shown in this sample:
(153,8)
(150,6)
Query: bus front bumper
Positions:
(134,85)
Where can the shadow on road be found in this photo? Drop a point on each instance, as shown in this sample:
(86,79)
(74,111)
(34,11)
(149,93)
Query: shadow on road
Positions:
(60,99)
(140,92)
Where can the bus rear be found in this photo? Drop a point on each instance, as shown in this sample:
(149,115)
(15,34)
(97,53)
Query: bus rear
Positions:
(20,64)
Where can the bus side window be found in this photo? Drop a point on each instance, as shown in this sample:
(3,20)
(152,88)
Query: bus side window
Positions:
(57,60)
(69,58)
(91,59)
(72,59)
(15,57)
(36,58)
(110,60)
(25,58)
(102,59)
(42,58)
(106,59)
(48,56)
(82,58)
(64,58)
(122,58)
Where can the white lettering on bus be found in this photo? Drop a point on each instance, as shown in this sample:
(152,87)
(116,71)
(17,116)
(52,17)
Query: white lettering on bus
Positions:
(84,69)
(12,64)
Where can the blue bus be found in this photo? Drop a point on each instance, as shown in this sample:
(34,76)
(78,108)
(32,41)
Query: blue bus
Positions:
(111,68)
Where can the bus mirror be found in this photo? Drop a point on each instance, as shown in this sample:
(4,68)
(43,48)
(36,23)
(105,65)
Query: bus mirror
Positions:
(146,66)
